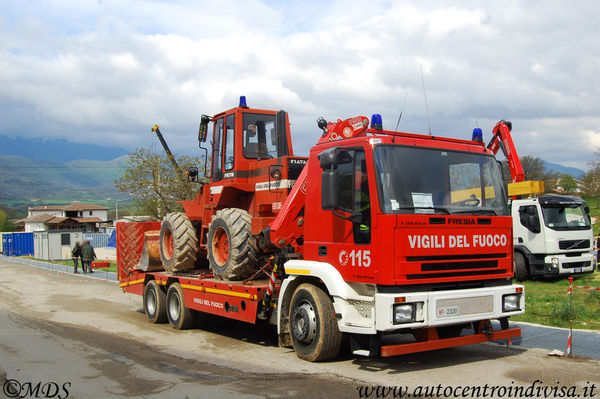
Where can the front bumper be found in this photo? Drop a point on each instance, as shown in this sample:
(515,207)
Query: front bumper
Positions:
(442,308)
(561,264)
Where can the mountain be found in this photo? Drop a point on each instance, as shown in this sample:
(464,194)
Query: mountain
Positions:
(29,181)
(565,170)
(56,149)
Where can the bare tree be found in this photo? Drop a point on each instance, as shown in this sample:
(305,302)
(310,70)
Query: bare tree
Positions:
(154,184)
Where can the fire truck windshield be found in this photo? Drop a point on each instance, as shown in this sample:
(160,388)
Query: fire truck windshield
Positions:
(569,217)
(427,180)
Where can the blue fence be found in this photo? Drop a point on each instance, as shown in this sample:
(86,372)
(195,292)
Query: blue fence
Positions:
(98,240)
(17,244)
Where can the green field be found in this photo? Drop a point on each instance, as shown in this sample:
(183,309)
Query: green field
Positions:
(111,268)
(548,303)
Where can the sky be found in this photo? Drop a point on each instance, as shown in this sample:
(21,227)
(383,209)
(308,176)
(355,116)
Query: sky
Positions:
(104,71)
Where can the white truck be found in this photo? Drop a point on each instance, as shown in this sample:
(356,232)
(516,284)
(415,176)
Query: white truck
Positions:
(553,236)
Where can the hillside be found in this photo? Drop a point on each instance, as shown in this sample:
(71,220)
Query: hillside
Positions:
(575,172)
(27,181)
(56,149)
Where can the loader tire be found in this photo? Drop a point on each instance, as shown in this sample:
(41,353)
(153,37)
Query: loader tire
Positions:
(155,303)
(180,316)
(178,243)
(313,325)
(232,250)
(520,267)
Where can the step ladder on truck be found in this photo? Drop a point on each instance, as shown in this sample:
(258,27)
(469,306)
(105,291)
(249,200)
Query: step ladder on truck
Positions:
(372,236)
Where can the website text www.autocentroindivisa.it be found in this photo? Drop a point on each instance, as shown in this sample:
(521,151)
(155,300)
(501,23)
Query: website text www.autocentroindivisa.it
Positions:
(537,389)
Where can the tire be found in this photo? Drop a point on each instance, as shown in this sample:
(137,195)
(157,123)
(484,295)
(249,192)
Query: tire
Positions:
(313,326)
(178,243)
(180,317)
(232,250)
(155,303)
(520,267)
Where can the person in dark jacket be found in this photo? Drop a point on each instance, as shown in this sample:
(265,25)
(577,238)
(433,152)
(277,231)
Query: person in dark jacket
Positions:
(88,255)
(75,255)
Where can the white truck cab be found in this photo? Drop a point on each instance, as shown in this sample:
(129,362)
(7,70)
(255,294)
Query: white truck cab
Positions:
(552,236)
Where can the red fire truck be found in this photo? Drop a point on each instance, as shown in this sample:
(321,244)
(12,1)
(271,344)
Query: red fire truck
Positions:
(401,241)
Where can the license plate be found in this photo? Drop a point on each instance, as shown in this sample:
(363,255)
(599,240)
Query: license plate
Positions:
(578,270)
(448,311)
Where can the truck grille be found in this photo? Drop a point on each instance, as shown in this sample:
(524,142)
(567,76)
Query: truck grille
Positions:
(457,265)
(576,264)
(574,244)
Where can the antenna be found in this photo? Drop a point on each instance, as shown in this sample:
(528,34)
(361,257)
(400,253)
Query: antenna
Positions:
(425,95)
(401,110)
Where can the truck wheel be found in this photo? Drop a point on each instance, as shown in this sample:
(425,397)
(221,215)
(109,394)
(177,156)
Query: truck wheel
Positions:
(178,243)
(314,328)
(232,250)
(180,316)
(154,303)
(520,267)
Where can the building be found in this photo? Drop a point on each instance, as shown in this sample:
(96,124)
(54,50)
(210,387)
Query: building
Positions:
(77,217)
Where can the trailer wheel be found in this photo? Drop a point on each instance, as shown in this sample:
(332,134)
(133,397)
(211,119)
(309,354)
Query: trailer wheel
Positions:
(178,243)
(520,267)
(232,250)
(314,328)
(180,316)
(154,303)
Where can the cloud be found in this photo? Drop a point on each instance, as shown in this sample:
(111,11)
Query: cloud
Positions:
(106,71)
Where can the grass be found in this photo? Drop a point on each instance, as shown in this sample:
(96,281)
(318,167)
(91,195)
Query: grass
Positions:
(547,303)
(69,262)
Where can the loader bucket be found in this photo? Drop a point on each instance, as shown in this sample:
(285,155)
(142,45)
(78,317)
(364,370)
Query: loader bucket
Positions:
(150,260)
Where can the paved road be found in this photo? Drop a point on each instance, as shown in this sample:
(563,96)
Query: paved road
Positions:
(585,343)
(60,328)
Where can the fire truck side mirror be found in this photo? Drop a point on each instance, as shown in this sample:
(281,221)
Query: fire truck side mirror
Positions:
(330,178)
(329,189)
(333,157)
(203,129)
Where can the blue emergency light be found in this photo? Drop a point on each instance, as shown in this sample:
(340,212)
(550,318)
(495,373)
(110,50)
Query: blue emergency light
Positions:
(376,122)
(477,135)
(243,102)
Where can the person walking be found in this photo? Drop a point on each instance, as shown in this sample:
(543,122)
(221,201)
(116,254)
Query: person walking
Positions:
(75,255)
(88,255)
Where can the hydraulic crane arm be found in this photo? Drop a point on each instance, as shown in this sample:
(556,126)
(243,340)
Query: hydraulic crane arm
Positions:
(502,139)
(288,224)
(156,130)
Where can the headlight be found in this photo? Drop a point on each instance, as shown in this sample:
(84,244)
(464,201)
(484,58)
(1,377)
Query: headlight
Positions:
(511,302)
(554,262)
(404,313)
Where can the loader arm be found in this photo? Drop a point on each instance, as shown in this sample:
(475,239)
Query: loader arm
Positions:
(502,139)
(288,225)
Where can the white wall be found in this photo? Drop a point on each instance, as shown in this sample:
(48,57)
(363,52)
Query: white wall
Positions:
(30,227)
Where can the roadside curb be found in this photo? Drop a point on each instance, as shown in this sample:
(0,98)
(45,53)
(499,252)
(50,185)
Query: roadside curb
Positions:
(64,269)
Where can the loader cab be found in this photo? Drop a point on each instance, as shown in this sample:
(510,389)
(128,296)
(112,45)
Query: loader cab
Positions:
(243,137)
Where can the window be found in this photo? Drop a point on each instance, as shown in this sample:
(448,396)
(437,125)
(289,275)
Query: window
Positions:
(217,151)
(65,239)
(260,137)
(426,180)
(229,141)
(90,213)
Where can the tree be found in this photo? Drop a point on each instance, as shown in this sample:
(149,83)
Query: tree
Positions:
(591,184)
(5,225)
(534,169)
(591,179)
(568,183)
(154,183)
